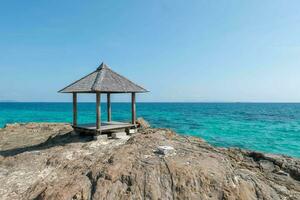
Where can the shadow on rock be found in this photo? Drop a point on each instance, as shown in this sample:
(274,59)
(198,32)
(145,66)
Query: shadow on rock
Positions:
(52,141)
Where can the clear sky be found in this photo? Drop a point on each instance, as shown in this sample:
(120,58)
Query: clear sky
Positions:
(195,50)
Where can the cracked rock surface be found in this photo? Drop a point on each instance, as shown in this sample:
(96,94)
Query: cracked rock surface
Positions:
(49,161)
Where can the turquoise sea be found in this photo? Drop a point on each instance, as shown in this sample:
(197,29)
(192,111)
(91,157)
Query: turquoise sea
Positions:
(266,127)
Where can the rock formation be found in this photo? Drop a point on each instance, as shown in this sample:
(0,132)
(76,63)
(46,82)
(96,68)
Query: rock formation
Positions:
(50,161)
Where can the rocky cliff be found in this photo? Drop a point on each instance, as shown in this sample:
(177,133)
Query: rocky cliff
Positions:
(49,161)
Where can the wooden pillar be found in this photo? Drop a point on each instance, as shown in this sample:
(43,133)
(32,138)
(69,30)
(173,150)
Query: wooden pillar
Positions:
(108,108)
(74,109)
(98,110)
(133,110)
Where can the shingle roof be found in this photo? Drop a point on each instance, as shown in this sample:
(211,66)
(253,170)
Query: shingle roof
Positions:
(103,80)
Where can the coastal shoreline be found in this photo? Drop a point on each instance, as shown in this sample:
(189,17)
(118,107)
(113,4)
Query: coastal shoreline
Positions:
(49,160)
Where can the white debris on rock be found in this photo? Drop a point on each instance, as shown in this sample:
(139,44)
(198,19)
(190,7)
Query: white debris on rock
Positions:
(166,150)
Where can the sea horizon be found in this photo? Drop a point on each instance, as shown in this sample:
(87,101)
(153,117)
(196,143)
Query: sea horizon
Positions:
(208,102)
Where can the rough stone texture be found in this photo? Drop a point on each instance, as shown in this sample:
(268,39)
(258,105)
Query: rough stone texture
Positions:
(142,123)
(47,161)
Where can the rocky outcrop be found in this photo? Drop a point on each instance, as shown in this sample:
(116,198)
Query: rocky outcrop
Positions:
(49,161)
(142,123)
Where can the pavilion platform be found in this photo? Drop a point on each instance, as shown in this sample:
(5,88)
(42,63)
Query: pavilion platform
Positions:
(106,127)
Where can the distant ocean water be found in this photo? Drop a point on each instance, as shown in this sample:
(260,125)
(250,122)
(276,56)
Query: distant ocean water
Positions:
(271,128)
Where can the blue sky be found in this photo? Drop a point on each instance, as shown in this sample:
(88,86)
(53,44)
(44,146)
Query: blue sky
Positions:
(196,50)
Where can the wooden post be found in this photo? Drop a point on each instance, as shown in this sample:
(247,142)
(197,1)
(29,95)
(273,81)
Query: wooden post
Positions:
(74,109)
(98,111)
(133,111)
(108,108)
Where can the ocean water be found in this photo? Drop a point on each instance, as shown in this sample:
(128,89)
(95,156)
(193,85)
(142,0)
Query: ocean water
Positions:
(271,128)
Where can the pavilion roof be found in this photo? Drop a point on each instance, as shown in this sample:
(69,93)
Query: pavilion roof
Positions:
(104,80)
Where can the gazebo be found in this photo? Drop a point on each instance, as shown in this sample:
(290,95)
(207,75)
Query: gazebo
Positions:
(103,81)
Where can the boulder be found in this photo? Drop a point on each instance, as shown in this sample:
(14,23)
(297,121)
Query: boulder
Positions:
(142,123)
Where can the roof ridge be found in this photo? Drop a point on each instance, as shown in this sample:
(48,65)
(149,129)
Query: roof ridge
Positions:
(127,79)
(99,78)
(102,66)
